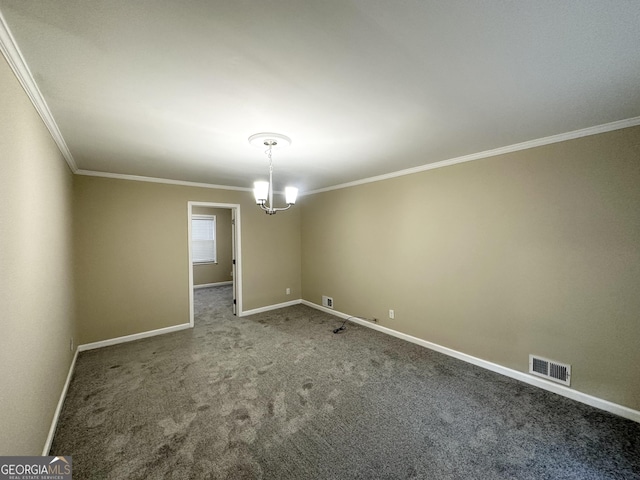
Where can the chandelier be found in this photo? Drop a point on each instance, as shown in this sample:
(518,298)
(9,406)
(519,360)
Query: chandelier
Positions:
(263,191)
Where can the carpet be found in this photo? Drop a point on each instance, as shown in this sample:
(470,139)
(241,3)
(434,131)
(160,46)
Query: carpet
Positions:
(278,396)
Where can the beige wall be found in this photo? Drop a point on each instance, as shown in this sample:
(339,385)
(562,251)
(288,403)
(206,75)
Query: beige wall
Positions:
(132,261)
(220,271)
(532,252)
(36,290)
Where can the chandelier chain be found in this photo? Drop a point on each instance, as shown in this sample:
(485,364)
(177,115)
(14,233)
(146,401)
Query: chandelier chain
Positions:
(268,153)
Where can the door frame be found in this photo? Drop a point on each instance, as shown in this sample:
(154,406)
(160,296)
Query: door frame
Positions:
(235,248)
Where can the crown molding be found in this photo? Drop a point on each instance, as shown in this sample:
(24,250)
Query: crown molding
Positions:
(562,137)
(16,61)
(138,178)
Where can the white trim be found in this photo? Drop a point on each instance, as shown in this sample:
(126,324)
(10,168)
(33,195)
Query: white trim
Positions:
(562,137)
(138,178)
(238,278)
(133,337)
(11,51)
(216,284)
(596,402)
(56,415)
(271,307)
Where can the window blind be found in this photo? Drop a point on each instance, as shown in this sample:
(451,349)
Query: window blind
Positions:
(203,238)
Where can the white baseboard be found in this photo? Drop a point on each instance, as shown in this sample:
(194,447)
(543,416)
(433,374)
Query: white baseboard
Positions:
(56,415)
(270,307)
(131,338)
(581,397)
(216,284)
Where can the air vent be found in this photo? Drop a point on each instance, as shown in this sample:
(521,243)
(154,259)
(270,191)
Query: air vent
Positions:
(327,301)
(550,369)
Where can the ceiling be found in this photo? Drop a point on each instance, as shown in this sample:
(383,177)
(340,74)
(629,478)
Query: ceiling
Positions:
(173,90)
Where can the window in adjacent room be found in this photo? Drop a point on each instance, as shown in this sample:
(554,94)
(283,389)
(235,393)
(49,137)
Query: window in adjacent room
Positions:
(203,238)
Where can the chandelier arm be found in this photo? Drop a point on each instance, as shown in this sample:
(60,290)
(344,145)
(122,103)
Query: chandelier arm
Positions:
(279,209)
(272,210)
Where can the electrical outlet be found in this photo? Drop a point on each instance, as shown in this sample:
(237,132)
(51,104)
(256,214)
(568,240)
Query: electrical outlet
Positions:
(288,291)
(392,314)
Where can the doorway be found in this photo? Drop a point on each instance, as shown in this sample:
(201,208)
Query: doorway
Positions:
(206,211)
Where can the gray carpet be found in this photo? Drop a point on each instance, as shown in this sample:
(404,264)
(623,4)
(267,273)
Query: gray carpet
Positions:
(279,396)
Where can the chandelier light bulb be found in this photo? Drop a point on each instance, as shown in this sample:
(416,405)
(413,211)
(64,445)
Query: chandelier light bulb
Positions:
(261,192)
(290,195)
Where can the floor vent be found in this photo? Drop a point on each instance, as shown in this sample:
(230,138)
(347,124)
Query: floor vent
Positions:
(550,369)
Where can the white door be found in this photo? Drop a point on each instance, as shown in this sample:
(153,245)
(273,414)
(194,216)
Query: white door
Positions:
(234,270)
